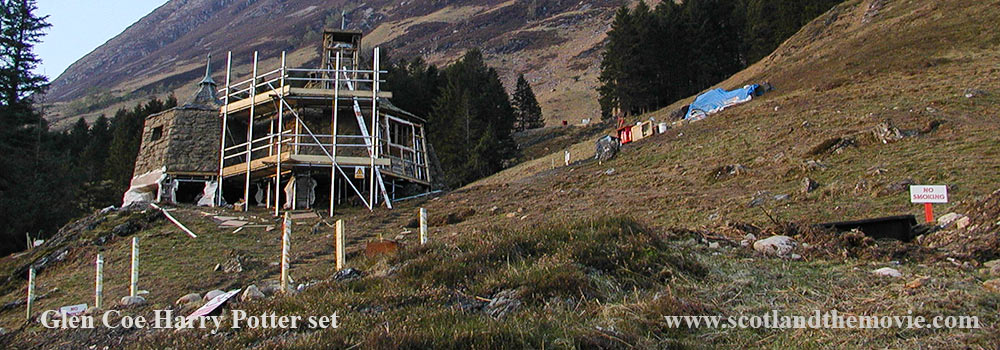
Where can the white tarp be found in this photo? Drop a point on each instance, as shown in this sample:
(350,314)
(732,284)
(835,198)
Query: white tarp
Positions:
(208,195)
(143,188)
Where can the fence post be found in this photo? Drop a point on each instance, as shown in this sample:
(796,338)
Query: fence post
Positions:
(134,286)
(340,244)
(423,226)
(286,232)
(99,283)
(31,292)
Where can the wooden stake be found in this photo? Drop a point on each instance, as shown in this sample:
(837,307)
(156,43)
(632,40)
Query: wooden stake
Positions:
(340,244)
(423,226)
(134,286)
(286,232)
(566,157)
(99,282)
(31,292)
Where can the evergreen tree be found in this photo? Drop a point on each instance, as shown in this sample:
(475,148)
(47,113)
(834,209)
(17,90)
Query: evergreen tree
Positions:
(528,114)
(20,30)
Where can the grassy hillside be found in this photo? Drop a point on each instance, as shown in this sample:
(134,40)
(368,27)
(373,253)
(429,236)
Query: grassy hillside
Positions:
(594,254)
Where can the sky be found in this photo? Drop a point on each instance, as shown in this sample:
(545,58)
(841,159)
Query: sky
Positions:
(80,26)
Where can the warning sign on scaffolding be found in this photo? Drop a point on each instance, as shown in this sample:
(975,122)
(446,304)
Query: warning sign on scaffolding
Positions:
(359,173)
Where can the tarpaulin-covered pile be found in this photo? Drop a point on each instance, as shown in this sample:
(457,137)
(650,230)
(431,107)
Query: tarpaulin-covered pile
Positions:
(716,100)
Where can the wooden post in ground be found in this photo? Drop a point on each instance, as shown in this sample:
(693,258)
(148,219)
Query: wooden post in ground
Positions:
(566,157)
(286,232)
(31,292)
(99,282)
(423,226)
(134,286)
(340,244)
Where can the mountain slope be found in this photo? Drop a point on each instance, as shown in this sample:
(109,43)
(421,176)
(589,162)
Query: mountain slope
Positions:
(554,43)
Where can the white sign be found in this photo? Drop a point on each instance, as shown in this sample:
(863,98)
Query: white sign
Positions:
(359,173)
(928,194)
(73,310)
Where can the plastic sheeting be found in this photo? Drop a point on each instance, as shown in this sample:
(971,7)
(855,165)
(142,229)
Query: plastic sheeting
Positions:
(208,195)
(716,100)
(143,188)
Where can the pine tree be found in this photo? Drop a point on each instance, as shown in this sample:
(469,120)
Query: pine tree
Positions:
(528,114)
(20,30)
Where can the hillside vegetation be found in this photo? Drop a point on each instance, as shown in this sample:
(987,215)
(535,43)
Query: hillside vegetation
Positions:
(592,255)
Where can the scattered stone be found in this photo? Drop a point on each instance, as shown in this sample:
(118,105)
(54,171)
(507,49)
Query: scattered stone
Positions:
(887,272)
(731,170)
(301,287)
(713,245)
(511,214)
(962,223)
(348,274)
(780,246)
(108,209)
(811,165)
(127,228)
(809,185)
(129,301)
(995,270)
(781,197)
(3,331)
(972,93)
(795,257)
(218,267)
(609,172)
(917,283)
(93,310)
(252,293)
(992,285)
(992,263)
(899,186)
(190,298)
(212,294)
(503,303)
(947,219)
(271,287)
(886,133)
(495,210)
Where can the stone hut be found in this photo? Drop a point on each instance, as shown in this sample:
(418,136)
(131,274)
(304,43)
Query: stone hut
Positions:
(178,161)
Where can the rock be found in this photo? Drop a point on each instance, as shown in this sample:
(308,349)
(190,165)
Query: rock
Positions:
(270,288)
(212,294)
(947,219)
(495,210)
(93,310)
(781,197)
(887,272)
(780,246)
(992,263)
(129,301)
(251,293)
(972,93)
(607,147)
(511,214)
(609,172)
(886,133)
(992,285)
(809,185)
(898,186)
(995,270)
(108,209)
(301,287)
(348,274)
(917,283)
(189,298)
(713,245)
(962,223)
(502,304)
(3,331)
(127,228)
(795,257)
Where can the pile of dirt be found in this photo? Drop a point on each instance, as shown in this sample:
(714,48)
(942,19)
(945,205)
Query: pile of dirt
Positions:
(979,240)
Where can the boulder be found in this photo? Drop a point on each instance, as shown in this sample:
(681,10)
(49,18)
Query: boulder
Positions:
(781,246)
(502,304)
(992,285)
(189,298)
(962,222)
(251,293)
(809,185)
(212,294)
(887,272)
(947,219)
(607,148)
(348,274)
(129,301)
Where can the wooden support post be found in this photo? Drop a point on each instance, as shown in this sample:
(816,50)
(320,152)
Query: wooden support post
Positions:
(99,282)
(340,249)
(30,243)
(423,226)
(566,157)
(31,292)
(286,232)
(134,286)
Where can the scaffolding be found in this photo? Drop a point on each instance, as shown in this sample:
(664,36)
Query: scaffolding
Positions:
(278,131)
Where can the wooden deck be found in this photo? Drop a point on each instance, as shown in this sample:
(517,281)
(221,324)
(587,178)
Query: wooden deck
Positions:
(298,159)
(303,95)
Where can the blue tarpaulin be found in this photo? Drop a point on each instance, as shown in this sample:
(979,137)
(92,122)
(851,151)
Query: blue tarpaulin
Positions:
(718,99)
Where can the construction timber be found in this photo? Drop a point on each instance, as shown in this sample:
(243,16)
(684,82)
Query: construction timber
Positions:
(287,127)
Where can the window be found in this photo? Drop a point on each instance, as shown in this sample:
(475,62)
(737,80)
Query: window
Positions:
(157,133)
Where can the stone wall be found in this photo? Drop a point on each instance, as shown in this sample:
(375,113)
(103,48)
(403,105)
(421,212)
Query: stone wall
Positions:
(188,142)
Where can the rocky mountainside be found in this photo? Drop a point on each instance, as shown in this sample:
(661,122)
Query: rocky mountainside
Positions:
(555,43)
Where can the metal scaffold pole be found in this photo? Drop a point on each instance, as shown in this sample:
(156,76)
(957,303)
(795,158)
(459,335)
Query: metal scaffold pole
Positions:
(281,129)
(225,119)
(333,135)
(253,95)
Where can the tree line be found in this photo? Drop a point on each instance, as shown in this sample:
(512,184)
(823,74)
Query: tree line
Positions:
(48,178)
(470,116)
(654,57)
